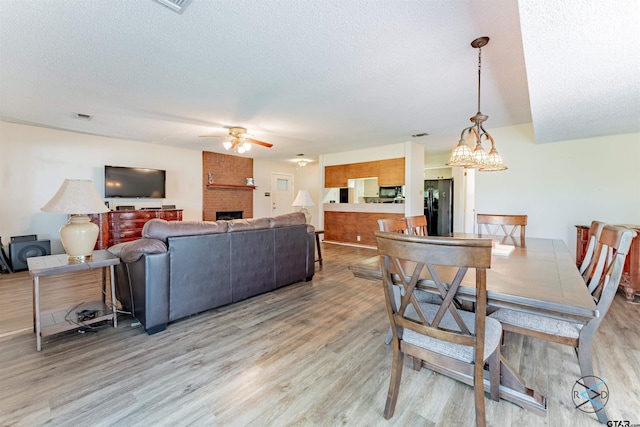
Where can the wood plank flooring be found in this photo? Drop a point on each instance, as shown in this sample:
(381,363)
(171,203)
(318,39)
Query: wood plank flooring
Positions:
(311,354)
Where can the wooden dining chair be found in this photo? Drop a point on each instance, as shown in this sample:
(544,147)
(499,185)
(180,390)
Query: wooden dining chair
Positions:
(609,257)
(417,225)
(495,224)
(439,336)
(393,225)
(594,235)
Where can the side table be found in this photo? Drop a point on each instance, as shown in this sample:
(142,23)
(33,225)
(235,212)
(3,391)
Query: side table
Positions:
(318,233)
(57,264)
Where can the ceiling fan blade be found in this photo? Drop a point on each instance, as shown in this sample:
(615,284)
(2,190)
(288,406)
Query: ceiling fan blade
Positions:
(255,141)
(213,136)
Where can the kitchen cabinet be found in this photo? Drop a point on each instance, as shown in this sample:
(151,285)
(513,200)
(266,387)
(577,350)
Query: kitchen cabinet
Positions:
(391,172)
(388,172)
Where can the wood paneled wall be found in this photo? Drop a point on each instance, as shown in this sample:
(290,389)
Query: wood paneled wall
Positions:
(226,169)
(345,227)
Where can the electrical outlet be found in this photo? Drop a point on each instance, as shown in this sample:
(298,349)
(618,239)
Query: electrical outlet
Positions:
(357,238)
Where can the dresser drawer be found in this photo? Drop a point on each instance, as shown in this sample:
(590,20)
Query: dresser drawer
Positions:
(124,225)
(129,215)
(171,215)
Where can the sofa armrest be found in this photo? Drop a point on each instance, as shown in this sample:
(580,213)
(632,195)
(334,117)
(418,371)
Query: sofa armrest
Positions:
(132,251)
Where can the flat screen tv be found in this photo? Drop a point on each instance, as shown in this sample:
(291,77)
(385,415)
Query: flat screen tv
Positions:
(134,183)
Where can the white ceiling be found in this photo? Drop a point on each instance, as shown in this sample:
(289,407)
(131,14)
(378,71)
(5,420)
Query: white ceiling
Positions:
(317,76)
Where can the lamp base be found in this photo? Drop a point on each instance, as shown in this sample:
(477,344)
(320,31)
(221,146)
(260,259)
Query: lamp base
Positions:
(79,237)
(307,215)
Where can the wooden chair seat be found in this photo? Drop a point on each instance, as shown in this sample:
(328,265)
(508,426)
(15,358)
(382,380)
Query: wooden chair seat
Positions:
(493,334)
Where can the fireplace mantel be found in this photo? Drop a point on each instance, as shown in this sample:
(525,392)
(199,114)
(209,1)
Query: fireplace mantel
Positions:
(232,186)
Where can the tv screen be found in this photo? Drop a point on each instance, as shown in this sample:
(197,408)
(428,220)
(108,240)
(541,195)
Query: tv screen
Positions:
(128,182)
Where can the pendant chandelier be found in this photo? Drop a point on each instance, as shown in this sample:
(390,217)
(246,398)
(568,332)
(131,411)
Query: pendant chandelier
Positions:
(462,155)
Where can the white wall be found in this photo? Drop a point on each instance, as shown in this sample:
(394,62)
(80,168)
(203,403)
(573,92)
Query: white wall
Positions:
(562,184)
(304,178)
(414,179)
(35,161)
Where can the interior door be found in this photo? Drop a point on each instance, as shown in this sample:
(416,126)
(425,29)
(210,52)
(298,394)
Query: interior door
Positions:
(281,193)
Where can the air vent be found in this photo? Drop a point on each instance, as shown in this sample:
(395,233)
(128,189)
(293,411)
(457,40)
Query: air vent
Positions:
(81,116)
(418,135)
(175,5)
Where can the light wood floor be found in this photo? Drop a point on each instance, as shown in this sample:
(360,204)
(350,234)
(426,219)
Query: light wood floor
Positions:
(311,354)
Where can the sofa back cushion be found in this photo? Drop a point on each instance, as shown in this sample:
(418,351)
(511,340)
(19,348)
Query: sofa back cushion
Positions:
(161,229)
(287,220)
(247,224)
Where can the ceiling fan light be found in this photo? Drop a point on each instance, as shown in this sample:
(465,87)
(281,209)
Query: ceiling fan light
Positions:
(246,146)
(461,156)
(240,149)
(227,145)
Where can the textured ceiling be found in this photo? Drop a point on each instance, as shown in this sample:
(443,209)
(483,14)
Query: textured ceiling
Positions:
(318,76)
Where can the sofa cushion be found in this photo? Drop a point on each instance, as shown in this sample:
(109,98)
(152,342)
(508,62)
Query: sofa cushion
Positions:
(133,251)
(248,224)
(287,220)
(161,229)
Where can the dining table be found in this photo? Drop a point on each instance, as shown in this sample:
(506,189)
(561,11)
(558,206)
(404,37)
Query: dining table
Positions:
(533,275)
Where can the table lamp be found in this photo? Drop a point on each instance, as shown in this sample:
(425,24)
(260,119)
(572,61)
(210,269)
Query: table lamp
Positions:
(77,197)
(304,199)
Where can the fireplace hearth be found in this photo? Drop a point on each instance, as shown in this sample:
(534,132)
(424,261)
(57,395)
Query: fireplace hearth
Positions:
(228,215)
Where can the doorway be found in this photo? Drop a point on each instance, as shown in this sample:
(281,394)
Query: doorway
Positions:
(281,193)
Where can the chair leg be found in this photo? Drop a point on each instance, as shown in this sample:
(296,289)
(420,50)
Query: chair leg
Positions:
(586,368)
(417,363)
(394,382)
(389,337)
(478,389)
(494,374)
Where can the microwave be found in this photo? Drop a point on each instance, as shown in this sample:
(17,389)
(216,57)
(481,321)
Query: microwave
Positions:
(389,192)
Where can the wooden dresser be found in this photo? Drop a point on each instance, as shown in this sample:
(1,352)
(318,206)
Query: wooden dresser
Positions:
(630,281)
(123,226)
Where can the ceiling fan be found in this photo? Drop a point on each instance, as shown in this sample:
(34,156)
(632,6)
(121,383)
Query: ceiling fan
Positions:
(239,140)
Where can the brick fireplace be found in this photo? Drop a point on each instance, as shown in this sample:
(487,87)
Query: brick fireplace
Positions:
(230,171)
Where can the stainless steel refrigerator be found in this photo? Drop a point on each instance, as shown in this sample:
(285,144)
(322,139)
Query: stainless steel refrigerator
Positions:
(438,206)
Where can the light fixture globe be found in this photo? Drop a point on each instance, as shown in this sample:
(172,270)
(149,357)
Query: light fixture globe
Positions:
(461,155)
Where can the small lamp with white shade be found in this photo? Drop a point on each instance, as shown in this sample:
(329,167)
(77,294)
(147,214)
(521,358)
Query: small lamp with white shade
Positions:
(303,199)
(77,197)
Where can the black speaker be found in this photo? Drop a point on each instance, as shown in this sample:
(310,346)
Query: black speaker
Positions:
(25,238)
(20,251)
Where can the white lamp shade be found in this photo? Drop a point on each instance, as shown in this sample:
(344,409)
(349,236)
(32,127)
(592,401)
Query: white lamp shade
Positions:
(303,199)
(76,196)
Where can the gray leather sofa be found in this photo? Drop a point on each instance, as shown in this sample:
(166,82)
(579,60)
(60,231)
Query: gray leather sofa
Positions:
(182,268)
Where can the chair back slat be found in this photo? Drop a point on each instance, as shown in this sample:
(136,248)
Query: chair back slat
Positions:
(594,235)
